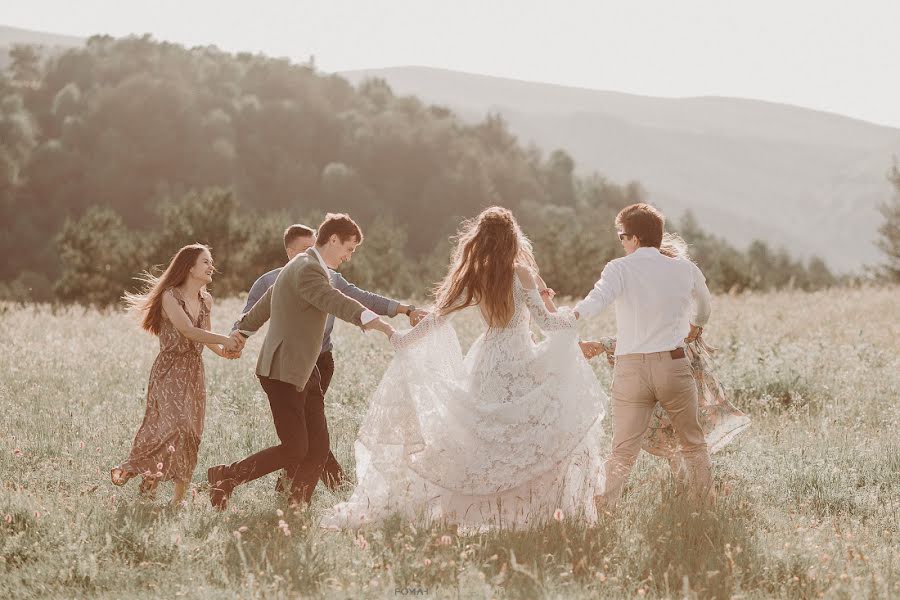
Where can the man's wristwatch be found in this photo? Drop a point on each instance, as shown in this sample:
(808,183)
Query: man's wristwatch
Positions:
(410,309)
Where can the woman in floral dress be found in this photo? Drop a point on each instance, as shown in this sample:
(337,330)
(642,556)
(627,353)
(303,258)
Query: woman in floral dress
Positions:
(176,307)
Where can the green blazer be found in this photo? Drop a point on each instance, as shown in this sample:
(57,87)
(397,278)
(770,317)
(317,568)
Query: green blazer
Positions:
(298,303)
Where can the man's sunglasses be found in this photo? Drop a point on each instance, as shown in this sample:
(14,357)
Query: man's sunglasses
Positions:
(623,235)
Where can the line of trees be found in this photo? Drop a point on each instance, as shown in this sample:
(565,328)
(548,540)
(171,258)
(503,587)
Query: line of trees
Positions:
(889,231)
(115,154)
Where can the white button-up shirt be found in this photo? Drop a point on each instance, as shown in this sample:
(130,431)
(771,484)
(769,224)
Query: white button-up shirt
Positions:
(653,295)
(367,315)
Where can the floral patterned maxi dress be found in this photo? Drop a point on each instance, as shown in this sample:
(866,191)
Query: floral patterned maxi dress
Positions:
(720,419)
(166,445)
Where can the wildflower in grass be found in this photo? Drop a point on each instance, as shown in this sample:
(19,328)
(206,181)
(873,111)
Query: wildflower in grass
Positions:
(426,562)
(558,515)
(446,540)
(361,542)
(81,445)
(284,527)
(279,512)
(17,452)
(7,519)
(237,535)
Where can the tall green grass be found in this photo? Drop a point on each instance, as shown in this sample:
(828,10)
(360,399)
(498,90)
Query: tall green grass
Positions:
(808,497)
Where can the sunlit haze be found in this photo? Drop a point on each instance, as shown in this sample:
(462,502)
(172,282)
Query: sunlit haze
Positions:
(829,55)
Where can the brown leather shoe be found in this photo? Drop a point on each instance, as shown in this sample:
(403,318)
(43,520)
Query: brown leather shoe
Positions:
(220,486)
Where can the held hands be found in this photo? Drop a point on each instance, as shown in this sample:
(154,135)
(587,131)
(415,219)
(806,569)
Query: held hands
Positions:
(231,354)
(694,334)
(235,343)
(379,325)
(416,316)
(592,349)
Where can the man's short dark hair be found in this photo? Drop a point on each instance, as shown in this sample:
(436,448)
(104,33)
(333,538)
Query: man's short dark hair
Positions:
(339,224)
(295,232)
(643,221)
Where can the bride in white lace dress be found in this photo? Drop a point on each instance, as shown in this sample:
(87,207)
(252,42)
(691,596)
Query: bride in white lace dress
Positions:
(505,436)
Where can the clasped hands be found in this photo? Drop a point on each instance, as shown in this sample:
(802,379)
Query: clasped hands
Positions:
(385,328)
(235,345)
(592,349)
(233,348)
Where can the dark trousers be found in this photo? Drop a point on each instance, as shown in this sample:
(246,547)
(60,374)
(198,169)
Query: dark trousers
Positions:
(299,418)
(332,474)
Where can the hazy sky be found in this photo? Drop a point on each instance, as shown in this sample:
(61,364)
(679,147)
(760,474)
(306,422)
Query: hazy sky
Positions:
(832,55)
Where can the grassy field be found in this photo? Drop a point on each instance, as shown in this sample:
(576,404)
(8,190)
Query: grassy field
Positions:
(808,497)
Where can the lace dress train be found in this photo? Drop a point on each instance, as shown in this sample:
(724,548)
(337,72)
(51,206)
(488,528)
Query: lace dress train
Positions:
(501,437)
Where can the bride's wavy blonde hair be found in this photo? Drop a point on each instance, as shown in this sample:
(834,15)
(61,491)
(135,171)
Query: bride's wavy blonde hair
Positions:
(488,249)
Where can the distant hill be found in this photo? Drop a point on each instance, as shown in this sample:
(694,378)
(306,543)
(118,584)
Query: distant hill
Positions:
(10,36)
(801,178)
(805,179)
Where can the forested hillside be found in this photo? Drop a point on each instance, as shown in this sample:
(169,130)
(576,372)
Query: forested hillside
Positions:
(116,153)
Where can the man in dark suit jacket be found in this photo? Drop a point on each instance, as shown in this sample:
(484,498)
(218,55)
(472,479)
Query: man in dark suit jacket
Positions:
(297,305)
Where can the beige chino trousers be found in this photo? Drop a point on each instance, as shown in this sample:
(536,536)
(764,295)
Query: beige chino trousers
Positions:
(639,382)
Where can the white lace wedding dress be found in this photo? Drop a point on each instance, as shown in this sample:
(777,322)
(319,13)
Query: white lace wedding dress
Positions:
(502,437)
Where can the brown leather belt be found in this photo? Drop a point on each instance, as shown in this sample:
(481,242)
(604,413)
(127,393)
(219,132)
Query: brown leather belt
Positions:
(677,353)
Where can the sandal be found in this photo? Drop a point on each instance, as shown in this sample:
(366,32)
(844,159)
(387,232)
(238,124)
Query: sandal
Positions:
(119,477)
(147,489)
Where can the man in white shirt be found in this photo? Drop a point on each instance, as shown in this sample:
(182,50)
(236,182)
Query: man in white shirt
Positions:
(653,296)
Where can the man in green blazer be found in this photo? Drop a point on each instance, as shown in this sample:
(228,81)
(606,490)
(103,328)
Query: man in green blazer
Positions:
(298,305)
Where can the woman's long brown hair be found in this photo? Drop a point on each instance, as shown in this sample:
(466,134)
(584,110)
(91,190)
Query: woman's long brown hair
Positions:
(488,249)
(674,246)
(148,302)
